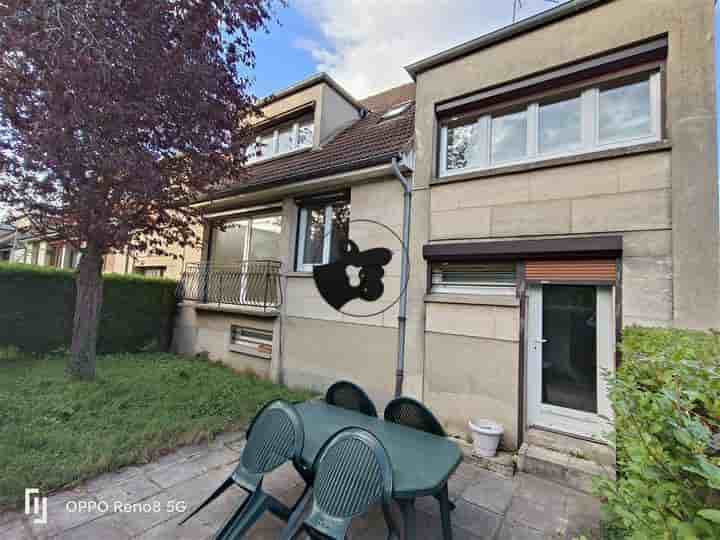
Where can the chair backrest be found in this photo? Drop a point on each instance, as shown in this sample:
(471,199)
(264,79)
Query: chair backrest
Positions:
(352,472)
(411,413)
(350,396)
(274,437)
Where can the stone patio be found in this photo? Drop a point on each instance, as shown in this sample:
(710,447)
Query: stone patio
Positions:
(489,506)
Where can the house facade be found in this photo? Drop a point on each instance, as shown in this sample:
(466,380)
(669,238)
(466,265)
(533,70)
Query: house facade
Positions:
(19,244)
(564,185)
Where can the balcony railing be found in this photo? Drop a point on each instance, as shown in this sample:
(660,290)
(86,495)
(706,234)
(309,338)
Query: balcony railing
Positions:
(248,283)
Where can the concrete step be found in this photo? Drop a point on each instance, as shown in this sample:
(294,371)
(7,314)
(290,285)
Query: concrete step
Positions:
(565,444)
(565,460)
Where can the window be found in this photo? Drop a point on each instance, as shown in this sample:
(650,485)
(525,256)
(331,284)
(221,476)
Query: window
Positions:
(247,238)
(509,137)
(51,255)
(282,139)
(608,115)
(489,278)
(322,230)
(252,341)
(153,271)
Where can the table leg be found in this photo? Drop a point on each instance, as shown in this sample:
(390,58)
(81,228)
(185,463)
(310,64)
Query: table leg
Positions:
(407,506)
(445,513)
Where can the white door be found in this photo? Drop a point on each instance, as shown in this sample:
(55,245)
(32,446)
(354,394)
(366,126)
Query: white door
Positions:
(570,347)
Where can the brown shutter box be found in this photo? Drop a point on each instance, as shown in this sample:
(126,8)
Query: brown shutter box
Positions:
(572,270)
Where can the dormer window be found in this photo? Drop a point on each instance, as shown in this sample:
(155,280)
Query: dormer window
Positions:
(282,139)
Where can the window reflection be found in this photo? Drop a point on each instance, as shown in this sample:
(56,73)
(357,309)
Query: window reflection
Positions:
(560,126)
(625,112)
(509,137)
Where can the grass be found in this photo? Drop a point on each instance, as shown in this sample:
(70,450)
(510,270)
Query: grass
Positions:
(55,433)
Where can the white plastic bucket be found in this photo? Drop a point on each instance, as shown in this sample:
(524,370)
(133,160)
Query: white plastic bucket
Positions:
(486,437)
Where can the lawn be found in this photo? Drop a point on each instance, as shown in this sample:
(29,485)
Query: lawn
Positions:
(55,433)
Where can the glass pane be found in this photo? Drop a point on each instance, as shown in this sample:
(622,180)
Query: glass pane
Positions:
(286,141)
(314,236)
(305,133)
(51,256)
(463,147)
(560,126)
(228,246)
(509,137)
(625,112)
(265,238)
(569,354)
(264,147)
(69,257)
(340,228)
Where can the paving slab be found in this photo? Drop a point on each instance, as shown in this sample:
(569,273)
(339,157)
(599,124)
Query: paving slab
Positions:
(490,491)
(488,506)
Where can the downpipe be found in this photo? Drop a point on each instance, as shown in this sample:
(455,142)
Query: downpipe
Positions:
(404,277)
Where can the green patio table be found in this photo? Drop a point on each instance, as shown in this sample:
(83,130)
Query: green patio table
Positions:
(422,463)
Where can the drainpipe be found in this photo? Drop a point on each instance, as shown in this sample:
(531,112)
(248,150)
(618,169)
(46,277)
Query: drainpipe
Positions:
(402,315)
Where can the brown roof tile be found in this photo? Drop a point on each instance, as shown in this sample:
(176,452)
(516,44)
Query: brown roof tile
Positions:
(388,98)
(369,141)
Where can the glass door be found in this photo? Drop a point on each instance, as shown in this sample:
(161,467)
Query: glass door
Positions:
(570,348)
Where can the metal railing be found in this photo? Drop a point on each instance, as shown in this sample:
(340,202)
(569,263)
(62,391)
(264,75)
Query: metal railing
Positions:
(253,283)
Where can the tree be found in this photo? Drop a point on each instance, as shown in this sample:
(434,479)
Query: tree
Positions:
(114,116)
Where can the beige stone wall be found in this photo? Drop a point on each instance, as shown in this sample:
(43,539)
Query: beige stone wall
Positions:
(321,345)
(317,353)
(664,204)
(617,195)
(207,332)
(629,194)
(331,110)
(472,366)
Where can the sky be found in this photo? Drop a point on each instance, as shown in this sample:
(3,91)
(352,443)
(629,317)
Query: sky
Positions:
(365,44)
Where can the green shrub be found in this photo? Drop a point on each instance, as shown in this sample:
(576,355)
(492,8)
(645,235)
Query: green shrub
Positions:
(666,398)
(37,306)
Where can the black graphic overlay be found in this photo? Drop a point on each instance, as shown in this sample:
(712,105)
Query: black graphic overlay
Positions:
(337,284)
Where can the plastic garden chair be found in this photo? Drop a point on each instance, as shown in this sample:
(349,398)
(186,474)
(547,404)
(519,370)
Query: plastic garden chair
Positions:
(274,437)
(350,396)
(411,413)
(352,472)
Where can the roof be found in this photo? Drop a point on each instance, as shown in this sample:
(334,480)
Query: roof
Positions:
(568,9)
(388,98)
(308,83)
(368,142)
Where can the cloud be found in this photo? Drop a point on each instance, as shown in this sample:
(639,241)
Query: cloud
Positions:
(368,42)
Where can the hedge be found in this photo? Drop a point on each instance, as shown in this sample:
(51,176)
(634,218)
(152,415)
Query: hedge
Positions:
(666,399)
(37,306)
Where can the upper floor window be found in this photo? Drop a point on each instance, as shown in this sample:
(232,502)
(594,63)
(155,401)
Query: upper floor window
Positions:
(246,238)
(607,115)
(284,138)
(323,228)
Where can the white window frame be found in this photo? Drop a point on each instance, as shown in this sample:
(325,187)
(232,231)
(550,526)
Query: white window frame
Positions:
(327,237)
(590,130)
(276,144)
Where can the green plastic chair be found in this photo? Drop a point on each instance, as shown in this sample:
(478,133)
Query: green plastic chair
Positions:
(274,437)
(352,472)
(411,413)
(350,396)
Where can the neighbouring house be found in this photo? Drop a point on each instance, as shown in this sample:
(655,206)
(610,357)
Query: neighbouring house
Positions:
(8,239)
(564,186)
(19,244)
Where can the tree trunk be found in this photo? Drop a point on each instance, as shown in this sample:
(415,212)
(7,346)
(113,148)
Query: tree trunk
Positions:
(88,303)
